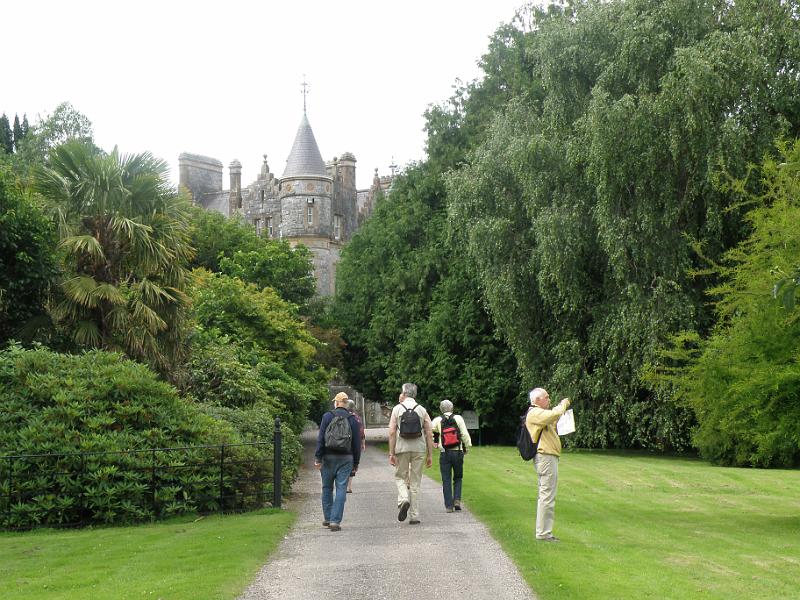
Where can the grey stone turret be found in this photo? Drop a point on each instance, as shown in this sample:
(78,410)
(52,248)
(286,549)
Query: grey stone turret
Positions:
(305,158)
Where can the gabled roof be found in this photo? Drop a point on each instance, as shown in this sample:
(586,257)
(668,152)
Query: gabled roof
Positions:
(305,158)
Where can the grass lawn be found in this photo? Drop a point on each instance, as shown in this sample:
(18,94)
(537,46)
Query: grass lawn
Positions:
(641,526)
(210,558)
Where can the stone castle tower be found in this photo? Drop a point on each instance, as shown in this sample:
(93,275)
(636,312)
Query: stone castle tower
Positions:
(313,203)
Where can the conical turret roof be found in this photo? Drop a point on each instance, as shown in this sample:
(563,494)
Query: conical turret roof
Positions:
(305,158)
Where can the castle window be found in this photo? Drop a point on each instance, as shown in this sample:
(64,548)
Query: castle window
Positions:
(337,227)
(257,223)
(262,197)
(310,214)
(269,226)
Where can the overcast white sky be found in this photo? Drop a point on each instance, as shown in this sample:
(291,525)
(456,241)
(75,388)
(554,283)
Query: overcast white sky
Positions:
(223,78)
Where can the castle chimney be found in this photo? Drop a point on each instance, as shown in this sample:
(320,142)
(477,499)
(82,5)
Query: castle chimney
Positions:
(235,202)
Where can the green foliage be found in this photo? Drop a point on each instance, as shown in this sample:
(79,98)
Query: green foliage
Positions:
(37,143)
(289,271)
(125,243)
(410,309)
(256,423)
(214,236)
(578,196)
(56,405)
(744,380)
(232,246)
(252,347)
(27,259)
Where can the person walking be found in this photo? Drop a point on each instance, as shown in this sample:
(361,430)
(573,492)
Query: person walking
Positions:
(410,445)
(351,408)
(450,434)
(541,421)
(337,456)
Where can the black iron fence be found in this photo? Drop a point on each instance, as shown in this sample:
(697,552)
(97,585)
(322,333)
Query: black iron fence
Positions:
(128,486)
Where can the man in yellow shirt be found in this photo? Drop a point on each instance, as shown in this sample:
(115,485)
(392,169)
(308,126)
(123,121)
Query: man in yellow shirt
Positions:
(541,419)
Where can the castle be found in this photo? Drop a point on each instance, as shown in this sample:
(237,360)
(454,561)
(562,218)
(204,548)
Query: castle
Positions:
(313,203)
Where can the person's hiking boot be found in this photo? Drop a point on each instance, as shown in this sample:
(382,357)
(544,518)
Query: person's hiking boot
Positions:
(549,538)
(414,522)
(335,527)
(457,504)
(326,523)
(449,509)
(404,506)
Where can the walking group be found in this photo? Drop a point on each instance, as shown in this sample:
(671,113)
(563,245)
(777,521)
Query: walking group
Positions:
(413,436)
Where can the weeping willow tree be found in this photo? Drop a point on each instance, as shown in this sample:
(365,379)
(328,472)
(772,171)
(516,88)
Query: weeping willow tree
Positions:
(124,244)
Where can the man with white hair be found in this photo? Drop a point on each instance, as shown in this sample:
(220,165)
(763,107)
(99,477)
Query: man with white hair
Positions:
(410,445)
(451,435)
(541,424)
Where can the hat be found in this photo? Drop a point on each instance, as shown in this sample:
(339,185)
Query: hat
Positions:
(340,396)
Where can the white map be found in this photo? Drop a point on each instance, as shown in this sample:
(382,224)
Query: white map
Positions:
(566,424)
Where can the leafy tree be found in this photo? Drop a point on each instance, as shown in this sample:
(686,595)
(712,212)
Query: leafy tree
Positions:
(240,323)
(6,137)
(575,202)
(27,258)
(410,309)
(744,379)
(63,125)
(125,242)
(215,236)
(276,264)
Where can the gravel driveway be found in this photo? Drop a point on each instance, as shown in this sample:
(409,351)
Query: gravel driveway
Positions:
(375,556)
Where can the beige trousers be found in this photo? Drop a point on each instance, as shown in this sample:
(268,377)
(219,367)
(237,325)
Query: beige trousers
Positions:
(409,468)
(547,469)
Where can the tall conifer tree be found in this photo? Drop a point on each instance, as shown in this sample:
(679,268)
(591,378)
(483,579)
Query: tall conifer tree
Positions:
(6,138)
(18,133)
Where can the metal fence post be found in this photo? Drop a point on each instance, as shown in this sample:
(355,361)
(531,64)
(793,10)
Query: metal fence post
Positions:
(276,465)
(221,476)
(153,481)
(10,485)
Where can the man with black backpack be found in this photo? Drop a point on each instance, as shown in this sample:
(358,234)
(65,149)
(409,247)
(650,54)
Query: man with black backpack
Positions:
(451,434)
(337,456)
(541,424)
(410,445)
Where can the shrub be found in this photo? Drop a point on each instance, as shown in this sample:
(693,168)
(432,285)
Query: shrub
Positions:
(257,424)
(95,423)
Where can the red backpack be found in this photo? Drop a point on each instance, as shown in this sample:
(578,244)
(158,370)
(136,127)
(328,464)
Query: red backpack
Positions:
(451,436)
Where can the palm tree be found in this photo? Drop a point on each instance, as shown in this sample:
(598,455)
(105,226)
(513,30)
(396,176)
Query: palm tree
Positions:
(124,241)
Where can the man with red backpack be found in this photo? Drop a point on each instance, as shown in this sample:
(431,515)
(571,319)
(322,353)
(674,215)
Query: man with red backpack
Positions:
(451,435)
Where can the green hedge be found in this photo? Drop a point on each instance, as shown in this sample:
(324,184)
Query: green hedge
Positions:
(98,419)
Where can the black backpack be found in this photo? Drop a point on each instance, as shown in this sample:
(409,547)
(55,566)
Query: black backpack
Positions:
(451,436)
(339,434)
(410,423)
(526,446)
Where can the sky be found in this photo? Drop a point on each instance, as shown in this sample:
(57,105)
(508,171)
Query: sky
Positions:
(223,79)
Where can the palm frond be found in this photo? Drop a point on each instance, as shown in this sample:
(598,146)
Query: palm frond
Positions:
(87,245)
(80,289)
(87,333)
(147,317)
(107,292)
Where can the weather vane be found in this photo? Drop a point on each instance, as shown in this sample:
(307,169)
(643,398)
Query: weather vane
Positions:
(304,85)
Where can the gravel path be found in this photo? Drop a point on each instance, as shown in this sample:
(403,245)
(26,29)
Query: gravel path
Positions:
(375,556)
